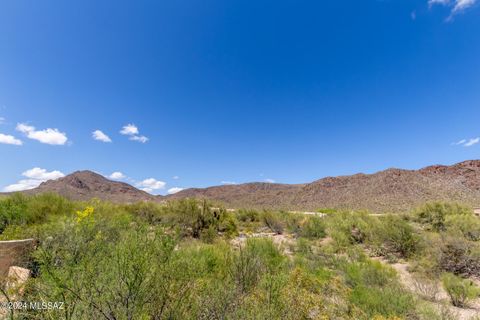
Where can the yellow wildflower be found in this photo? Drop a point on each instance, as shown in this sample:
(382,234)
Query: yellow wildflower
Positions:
(87,213)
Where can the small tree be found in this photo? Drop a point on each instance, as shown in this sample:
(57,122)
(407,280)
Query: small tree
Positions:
(433,214)
(461,291)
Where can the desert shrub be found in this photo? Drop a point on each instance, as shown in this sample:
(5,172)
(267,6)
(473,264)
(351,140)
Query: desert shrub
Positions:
(348,228)
(303,246)
(429,311)
(459,256)
(43,206)
(103,271)
(461,291)
(149,211)
(194,216)
(369,273)
(387,302)
(13,210)
(248,215)
(208,235)
(433,214)
(21,210)
(259,256)
(272,221)
(467,225)
(426,287)
(395,236)
(313,228)
(294,222)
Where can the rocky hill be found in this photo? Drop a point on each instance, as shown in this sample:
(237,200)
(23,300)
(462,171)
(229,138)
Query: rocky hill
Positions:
(388,190)
(85,185)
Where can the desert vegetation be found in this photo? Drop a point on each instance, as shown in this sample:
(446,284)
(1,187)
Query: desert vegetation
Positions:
(192,259)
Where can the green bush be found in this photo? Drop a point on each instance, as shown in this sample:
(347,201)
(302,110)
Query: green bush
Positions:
(369,273)
(272,221)
(313,228)
(461,291)
(14,210)
(433,214)
(466,225)
(348,228)
(194,216)
(149,211)
(46,205)
(386,302)
(21,210)
(294,222)
(395,236)
(248,215)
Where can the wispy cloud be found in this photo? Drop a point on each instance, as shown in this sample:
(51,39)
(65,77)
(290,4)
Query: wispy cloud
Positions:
(461,5)
(129,130)
(457,6)
(117,175)
(175,177)
(174,190)
(2,120)
(8,139)
(141,139)
(440,2)
(100,136)
(150,185)
(269,181)
(47,136)
(472,142)
(228,182)
(35,177)
(132,131)
(467,142)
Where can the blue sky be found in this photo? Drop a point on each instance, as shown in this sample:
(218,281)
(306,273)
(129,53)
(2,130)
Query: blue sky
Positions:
(235,91)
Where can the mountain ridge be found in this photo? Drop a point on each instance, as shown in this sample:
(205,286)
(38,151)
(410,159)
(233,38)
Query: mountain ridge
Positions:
(391,189)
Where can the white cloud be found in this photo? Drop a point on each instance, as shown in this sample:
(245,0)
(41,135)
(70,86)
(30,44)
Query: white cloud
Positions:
(141,139)
(117,176)
(22,185)
(150,185)
(129,130)
(229,182)
(471,142)
(467,142)
(8,139)
(440,2)
(47,136)
(174,190)
(459,142)
(35,177)
(132,131)
(175,177)
(269,181)
(461,5)
(457,6)
(100,136)
(42,174)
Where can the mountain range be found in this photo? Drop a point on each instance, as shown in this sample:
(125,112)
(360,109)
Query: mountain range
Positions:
(389,190)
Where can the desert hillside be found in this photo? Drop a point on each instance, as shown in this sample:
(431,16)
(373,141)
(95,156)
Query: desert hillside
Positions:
(388,190)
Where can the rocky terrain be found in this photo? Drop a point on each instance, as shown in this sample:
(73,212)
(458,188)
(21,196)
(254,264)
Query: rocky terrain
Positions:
(388,190)
(85,185)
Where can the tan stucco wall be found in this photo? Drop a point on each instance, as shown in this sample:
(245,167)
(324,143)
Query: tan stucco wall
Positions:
(14,253)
